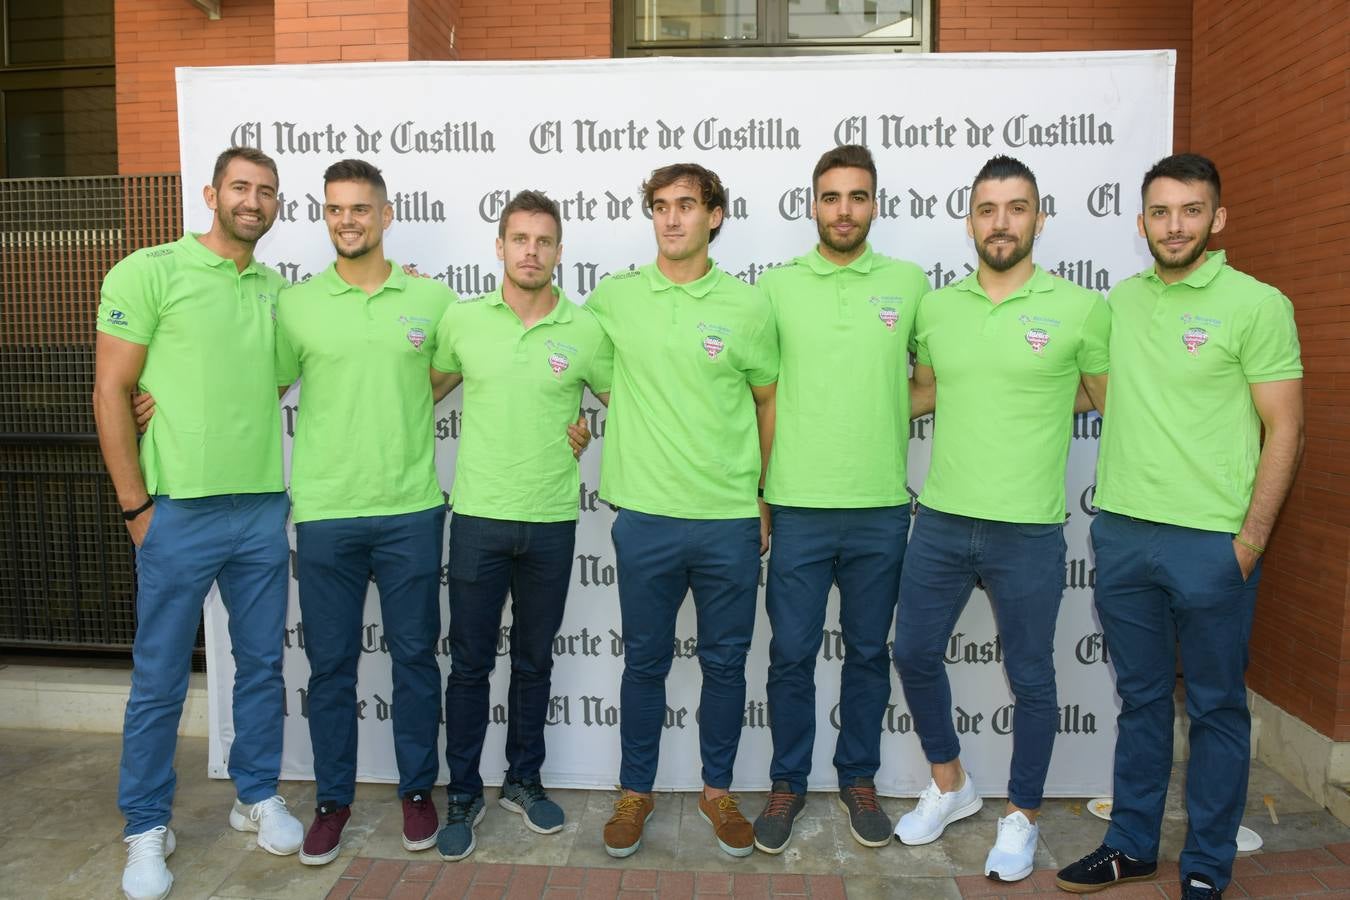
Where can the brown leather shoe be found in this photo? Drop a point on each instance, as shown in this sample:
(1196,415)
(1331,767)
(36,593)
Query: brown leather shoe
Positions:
(734,835)
(623,832)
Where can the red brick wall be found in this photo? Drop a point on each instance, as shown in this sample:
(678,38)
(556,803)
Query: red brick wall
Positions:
(431,24)
(1036,25)
(154,36)
(311,31)
(526,29)
(1275,116)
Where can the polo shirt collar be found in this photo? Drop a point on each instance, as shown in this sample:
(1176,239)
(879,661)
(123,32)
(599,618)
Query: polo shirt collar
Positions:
(1207,271)
(200,253)
(397,280)
(822,266)
(699,288)
(1039,282)
(561,313)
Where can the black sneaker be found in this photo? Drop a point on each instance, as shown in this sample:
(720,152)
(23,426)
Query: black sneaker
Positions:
(1198,887)
(773,828)
(528,798)
(1102,868)
(456,838)
(871,826)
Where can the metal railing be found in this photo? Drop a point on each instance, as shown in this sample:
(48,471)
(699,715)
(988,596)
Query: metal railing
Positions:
(66,565)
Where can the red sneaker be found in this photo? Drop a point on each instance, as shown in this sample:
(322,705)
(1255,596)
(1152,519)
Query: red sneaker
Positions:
(324,838)
(420,822)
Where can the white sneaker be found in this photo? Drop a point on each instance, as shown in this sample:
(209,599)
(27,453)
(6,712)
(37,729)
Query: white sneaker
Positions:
(279,832)
(146,877)
(1010,858)
(936,810)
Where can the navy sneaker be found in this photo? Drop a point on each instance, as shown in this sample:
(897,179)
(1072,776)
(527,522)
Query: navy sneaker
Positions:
(456,838)
(1102,868)
(527,797)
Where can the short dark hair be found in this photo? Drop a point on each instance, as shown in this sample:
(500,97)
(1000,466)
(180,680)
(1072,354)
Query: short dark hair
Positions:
(355,170)
(714,193)
(530,202)
(1001,168)
(248,154)
(1185,167)
(849,156)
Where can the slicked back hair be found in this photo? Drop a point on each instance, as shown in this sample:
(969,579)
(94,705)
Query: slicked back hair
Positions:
(248,154)
(1001,168)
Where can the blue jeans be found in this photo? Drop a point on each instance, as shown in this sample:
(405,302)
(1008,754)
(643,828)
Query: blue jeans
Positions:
(488,558)
(659,560)
(336,558)
(1160,586)
(239,542)
(1022,569)
(861,550)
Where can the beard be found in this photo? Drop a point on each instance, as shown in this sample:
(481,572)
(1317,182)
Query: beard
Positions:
(1180,262)
(846,245)
(245,234)
(1020,251)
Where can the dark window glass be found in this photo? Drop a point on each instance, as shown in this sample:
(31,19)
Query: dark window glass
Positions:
(60,131)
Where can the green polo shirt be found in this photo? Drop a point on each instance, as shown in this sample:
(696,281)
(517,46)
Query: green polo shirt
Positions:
(681,437)
(1007,375)
(1181,436)
(522,388)
(365,437)
(844,333)
(208,330)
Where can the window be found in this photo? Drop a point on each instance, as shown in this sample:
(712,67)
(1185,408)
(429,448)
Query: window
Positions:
(57,103)
(769,27)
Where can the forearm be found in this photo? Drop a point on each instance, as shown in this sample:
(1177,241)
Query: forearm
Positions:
(1280,456)
(922,398)
(117,441)
(766,415)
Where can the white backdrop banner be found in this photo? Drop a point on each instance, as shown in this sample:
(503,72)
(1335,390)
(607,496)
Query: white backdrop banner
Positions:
(455,140)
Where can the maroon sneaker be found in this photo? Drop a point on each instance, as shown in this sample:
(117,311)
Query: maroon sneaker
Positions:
(420,822)
(324,838)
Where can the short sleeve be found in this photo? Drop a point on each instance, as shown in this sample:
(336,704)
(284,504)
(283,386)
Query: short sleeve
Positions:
(600,372)
(287,360)
(1270,350)
(761,363)
(445,359)
(128,305)
(1094,356)
(920,339)
(600,305)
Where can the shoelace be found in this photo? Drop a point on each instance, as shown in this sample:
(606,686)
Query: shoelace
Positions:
(864,797)
(141,847)
(780,804)
(727,806)
(1012,833)
(928,798)
(629,808)
(458,812)
(1100,856)
(264,809)
(532,791)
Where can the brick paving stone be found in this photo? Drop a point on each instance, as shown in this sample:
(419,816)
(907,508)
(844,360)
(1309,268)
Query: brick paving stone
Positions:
(636,895)
(1287,884)
(485,892)
(787,884)
(453,882)
(639,880)
(1247,865)
(826,887)
(676,885)
(1296,860)
(422,871)
(750,886)
(343,889)
(527,882)
(601,883)
(1336,878)
(410,890)
(566,876)
(980,886)
(380,880)
(1340,851)
(1333,895)
(358,867)
(492,873)
(712,883)
(562,893)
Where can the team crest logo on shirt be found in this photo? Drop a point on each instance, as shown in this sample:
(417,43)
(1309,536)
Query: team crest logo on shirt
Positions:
(559,363)
(1037,338)
(888,315)
(1194,339)
(714,338)
(417,337)
(713,346)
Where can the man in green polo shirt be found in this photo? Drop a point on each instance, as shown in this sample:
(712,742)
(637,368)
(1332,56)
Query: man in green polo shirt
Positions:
(524,353)
(360,335)
(203,497)
(1007,348)
(690,425)
(1204,359)
(845,315)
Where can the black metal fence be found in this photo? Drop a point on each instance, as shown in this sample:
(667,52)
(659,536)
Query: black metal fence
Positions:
(66,565)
